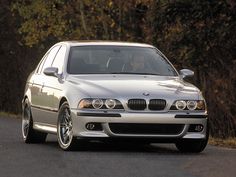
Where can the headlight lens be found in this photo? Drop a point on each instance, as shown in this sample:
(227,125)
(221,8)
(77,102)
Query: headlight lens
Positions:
(191,105)
(100,103)
(110,103)
(97,103)
(180,105)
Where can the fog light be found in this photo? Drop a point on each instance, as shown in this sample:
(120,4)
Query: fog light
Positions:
(199,128)
(94,126)
(195,128)
(90,126)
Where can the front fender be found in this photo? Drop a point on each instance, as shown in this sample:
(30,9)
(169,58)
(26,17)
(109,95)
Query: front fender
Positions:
(73,94)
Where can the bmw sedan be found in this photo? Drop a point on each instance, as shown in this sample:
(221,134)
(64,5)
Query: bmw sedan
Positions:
(112,91)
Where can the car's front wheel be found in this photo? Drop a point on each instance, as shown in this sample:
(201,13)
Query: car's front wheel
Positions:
(193,146)
(29,134)
(64,128)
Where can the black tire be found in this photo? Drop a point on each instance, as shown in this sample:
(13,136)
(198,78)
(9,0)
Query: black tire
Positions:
(29,134)
(193,146)
(65,137)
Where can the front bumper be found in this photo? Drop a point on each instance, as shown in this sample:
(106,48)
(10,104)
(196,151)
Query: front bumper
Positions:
(81,118)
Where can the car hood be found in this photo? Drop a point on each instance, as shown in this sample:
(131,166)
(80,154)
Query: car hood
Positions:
(134,86)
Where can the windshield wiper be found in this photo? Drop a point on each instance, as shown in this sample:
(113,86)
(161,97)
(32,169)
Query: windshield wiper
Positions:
(134,73)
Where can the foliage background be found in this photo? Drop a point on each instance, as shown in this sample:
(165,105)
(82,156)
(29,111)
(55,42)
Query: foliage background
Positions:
(198,34)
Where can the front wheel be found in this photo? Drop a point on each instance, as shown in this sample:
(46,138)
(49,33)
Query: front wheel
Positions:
(64,128)
(194,146)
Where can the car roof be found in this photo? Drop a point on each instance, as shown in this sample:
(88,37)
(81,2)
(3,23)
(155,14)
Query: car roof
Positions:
(105,43)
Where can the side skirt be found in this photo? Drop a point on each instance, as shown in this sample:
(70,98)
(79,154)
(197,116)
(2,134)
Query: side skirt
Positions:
(47,128)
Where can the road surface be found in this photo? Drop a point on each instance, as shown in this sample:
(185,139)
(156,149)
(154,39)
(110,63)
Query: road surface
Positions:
(18,159)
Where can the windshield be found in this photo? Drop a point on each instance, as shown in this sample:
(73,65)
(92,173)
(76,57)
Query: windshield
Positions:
(118,60)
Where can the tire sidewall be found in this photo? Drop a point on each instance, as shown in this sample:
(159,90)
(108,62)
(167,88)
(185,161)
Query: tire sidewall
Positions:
(194,146)
(64,106)
(26,105)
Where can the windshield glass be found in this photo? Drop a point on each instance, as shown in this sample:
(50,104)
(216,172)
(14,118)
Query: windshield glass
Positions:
(118,60)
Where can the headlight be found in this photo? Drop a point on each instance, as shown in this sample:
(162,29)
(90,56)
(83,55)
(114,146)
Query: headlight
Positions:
(97,103)
(191,105)
(110,103)
(180,105)
(100,103)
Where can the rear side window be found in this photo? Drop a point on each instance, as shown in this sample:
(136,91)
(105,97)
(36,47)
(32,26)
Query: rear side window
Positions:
(50,57)
(59,59)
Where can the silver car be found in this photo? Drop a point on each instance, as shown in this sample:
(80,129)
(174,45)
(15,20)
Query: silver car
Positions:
(112,91)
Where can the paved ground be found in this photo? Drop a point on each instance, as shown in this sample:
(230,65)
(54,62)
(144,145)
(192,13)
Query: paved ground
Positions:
(102,160)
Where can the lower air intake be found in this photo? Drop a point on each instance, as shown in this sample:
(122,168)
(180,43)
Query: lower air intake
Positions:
(139,128)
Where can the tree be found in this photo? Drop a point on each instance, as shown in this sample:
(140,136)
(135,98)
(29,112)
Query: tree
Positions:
(80,20)
(201,35)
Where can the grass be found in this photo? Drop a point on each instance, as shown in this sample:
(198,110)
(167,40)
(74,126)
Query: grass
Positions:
(11,115)
(228,142)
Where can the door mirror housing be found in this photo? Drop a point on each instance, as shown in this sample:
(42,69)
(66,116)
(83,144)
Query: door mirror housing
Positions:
(51,71)
(186,73)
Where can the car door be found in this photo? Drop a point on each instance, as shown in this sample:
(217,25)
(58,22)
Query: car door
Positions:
(39,108)
(52,88)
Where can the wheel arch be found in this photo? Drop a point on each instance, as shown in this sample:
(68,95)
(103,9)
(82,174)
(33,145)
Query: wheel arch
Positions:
(24,98)
(23,101)
(63,99)
(27,95)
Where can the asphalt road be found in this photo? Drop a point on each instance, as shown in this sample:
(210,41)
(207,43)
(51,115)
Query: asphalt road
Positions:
(18,159)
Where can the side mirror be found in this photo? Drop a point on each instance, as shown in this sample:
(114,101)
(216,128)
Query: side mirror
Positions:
(186,73)
(51,71)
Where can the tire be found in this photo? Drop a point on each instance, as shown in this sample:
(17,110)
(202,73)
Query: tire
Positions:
(65,137)
(193,146)
(29,134)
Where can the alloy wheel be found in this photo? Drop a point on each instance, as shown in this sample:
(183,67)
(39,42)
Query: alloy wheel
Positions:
(26,121)
(65,127)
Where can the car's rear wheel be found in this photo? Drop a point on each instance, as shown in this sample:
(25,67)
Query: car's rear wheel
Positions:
(64,128)
(193,146)
(29,134)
